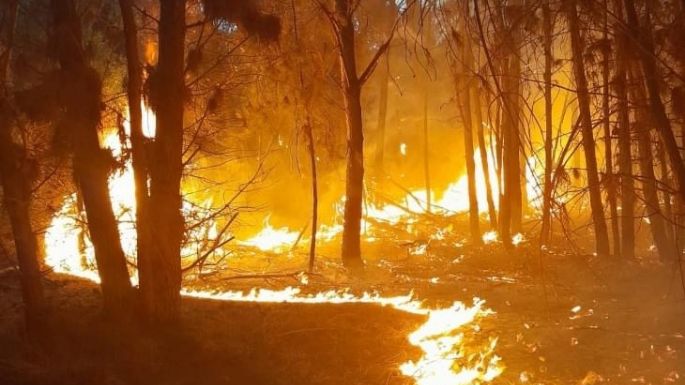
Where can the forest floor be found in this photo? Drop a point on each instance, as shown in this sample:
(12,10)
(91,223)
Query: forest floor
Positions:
(560,318)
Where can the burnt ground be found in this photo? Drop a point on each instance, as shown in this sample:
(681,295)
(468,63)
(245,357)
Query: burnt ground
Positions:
(560,318)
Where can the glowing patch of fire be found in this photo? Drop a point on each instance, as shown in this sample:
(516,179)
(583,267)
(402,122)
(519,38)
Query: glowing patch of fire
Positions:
(444,360)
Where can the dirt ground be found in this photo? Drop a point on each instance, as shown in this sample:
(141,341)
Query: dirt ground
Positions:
(560,318)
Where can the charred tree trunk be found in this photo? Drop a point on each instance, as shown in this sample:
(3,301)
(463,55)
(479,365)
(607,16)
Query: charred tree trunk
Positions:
(315,193)
(508,140)
(382,116)
(644,46)
(354,181)
(625,162)
(474,219)
(666,192)
(510,205)
(608,148)
(311,149)
(547,190)
(81,95)
(464,98)
(161,288)
(657,224)
(426,153)
(484,160)
(601,235)
(138,160)
(16,179)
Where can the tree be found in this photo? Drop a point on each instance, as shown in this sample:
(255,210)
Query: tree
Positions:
(642,42)
(134,91)
(548,187)
(80,94)
(601,235)
(625,161)
(464,84)
(343,25)
(16,171)
(160,270)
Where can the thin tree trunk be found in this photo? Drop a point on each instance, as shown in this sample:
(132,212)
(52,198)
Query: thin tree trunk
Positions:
(549,155)
(657,224)
(161,291)
(426,153)
(484,160)
(650,71)
(311,147)
(16,191)
(608,150)
(515,149)
(351,242)
(508,140)
(315,193)
(625,163)
(464,97)
(382,115)
(510,204)
(138,161)
(82,102)
(601,235)
(474,219)
(666,194)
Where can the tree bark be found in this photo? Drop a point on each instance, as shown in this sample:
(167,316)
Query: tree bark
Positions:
(547,191)
(351,247)
(426,152)
(81,95)
(644,46)
(588,141)
(484,159)
(657,224)
(315,193)
(382,116)
(625,160)
(138,140)
(463,84)
(161,290)
(608,148)
(16,191)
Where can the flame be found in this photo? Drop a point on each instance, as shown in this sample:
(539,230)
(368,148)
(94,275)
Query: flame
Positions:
(490,237)
(445,359)
(273,239)
(68,247)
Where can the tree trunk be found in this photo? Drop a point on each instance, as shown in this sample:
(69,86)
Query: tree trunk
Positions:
(510,204)
(426,152)
(315,192)
(16,191)
(354,181)
(138,161)
(382,116)
(81,95)
(463,84)
(657,224)
(666,191)
(625,162)
(645,49)
(547,190)
(484,160)
(588,141)
(161,289)
(608,150)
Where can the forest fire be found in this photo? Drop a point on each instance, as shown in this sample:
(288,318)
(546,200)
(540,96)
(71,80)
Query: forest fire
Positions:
(340,192)
(440,337)
(444,361)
